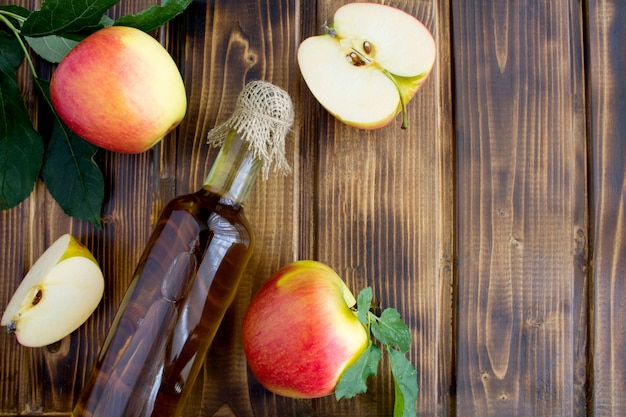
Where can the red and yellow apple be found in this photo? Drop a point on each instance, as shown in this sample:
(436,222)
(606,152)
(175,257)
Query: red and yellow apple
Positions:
(119,89)
(57,295)
(368,64)
(300,332)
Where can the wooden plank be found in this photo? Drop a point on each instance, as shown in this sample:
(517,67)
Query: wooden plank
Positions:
(12,359)
(607,124)
(16,259)
(383,218)
(222,45)
(521,208)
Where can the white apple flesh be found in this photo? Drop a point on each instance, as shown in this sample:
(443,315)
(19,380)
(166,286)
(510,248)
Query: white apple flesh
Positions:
(369,64)
(57,295)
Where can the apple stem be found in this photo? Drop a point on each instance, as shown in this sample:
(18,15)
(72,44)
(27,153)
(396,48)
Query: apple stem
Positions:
(405,121)
(12,327)
(330,31)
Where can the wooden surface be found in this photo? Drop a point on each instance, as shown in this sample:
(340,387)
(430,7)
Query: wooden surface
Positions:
(495,224)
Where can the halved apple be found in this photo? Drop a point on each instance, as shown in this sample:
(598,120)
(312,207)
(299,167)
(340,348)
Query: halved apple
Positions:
(369,64)
(57,295)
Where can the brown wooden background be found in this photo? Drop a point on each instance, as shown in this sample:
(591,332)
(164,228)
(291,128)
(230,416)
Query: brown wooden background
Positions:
(495,224)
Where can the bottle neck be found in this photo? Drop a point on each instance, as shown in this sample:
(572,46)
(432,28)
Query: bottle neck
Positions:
(234,171)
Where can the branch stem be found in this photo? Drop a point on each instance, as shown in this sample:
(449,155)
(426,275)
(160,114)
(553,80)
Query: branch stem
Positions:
(17,33)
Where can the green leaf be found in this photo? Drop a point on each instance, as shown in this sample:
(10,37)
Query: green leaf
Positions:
(70,173)
(106,21)
(58,17)
(405,384)
(52,48)
(154,16)
(72,177)
(354,379)
(11,54)
(21,147)
(390,330)
(363,302)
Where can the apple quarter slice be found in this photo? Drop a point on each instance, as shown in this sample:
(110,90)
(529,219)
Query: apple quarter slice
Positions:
(57,295)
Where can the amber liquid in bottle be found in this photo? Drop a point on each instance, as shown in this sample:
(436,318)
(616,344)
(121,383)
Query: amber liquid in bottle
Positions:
(185,281)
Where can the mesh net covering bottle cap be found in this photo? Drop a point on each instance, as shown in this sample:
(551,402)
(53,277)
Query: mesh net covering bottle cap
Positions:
(263,116)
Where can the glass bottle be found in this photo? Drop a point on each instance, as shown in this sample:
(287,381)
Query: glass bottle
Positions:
(185,281)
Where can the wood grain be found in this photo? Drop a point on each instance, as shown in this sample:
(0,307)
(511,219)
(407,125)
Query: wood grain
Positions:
(607,127)
(494,224)
(520,208)
(384,220)
(223,45)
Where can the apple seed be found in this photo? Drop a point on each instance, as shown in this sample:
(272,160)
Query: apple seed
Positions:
(37,297)
(367,47)
(355,59)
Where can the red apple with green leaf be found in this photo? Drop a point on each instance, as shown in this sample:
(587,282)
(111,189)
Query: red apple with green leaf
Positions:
(305,336)
(300,331)
(368,65)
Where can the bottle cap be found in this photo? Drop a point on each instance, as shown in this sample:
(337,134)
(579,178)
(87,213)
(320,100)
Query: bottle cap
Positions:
(262,117)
